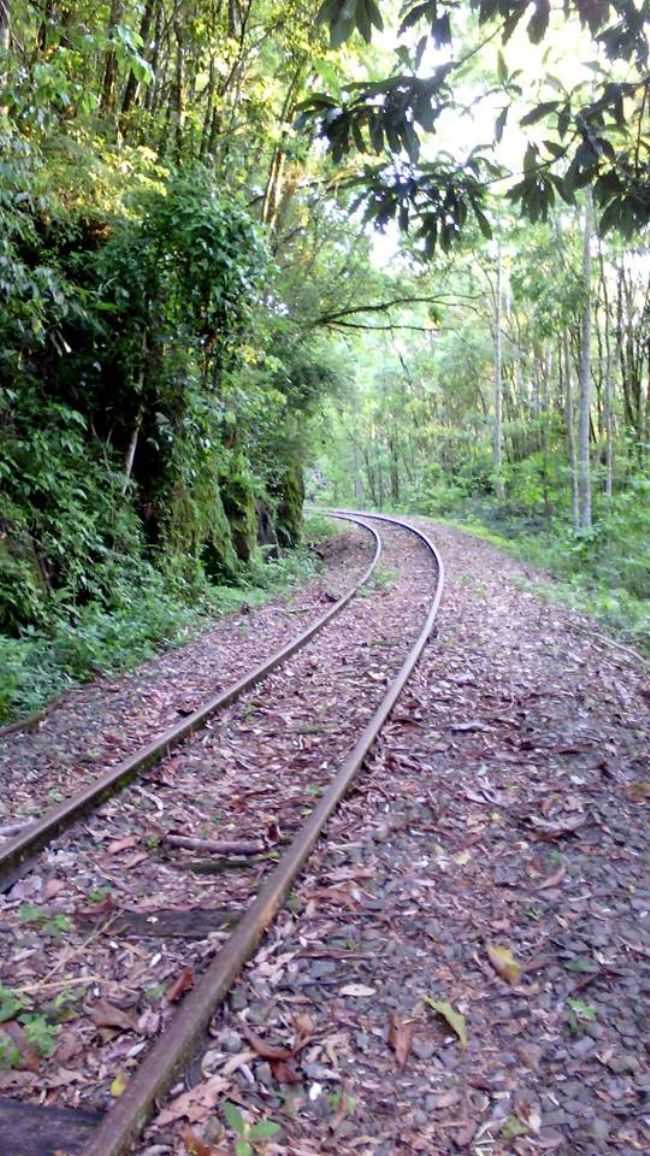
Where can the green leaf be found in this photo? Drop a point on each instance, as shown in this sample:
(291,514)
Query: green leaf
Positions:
(483,223)
(539,112)
(264,1130)
(502,68)
(581,965)
(512,1128)
(530,160)
(234,1118)
(501,122)
(455,1020)
(243,1148)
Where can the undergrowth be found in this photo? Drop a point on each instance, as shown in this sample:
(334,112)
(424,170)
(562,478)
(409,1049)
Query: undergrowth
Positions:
(146,615)
(600,574)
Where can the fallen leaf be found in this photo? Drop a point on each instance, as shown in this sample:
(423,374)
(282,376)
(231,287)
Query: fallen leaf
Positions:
(149,1022)
(128,864)
(54,887)
(455,1020)
(473,725)
(444,1099)
(504,963)
(195,1105)
(530,1115)
(183,983)
(118,1087)
(512,1128)
(358,990)
(261,1048)
(400,1037)
(118,845)
(105,1015)
(550,830)
(304,1028)
(98,910)
(554,879)
(195,1146)
(285,1072)
(639,792)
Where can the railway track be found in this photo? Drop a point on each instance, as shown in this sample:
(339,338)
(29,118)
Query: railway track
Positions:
(226,936)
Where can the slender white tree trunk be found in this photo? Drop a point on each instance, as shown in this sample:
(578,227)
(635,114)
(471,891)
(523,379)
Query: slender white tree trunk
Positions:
(609,393)
(497,448)
(5,26)
(570,430)
(584,416)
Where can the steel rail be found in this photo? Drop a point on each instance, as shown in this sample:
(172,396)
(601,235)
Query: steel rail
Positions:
(125,1121)
(17,852)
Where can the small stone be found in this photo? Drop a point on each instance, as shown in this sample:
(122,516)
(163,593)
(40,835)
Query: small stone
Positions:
(419,1118)
(423,1048)
(556,1119)
(232,1043)
(599,1129)
(322,968)
(583,1046)
(624,1063)
(347,1130)
(238,999)
(264,1074)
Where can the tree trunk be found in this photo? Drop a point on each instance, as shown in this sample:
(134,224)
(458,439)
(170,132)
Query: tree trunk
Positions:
(132,85)
(497,445)
(5,26)
(609,401)
(107,105)
(584,417)
(570,430)
(178,111)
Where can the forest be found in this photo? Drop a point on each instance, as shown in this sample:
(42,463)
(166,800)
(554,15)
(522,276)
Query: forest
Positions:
(393,255)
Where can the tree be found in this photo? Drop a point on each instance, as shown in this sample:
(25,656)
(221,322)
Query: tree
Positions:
(391,117)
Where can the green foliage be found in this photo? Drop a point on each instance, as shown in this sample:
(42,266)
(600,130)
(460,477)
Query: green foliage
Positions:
(251,1137)
(147,610)
(40,1033)
(594,133)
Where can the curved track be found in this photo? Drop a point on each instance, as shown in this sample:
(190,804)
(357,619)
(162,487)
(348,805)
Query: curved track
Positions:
(174,1048)
(17,852)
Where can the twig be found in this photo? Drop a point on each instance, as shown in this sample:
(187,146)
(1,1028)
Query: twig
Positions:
(101,930)
(217,846)
(75,982)
(612,642)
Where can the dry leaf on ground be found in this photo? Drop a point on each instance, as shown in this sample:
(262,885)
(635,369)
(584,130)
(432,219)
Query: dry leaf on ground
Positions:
(504,963)
(455,1020)
(400,1037)
(195,1105)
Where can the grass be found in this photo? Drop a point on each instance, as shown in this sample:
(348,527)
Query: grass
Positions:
(571,574)
(147,616)
(605,573)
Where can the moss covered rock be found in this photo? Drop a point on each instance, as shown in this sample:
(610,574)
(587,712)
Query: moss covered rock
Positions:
(290,495)
(23,589)
(240,507)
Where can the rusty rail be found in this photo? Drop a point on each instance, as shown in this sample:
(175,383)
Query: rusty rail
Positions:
(17,853)
(125,1121)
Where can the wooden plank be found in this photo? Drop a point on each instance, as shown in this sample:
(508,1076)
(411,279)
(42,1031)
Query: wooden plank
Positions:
(194,923)
(32,1130)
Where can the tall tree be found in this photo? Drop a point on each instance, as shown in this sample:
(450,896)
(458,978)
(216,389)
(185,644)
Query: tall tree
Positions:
(584,411)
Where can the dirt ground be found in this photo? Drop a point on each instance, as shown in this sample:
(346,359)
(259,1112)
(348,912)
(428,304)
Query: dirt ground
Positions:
(465,965)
